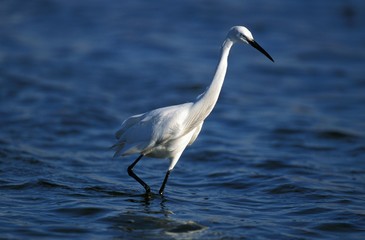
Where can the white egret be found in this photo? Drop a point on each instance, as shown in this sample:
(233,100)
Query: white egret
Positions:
(166,132)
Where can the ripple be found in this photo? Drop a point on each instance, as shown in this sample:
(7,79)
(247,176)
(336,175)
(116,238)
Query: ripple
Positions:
(106,191)
(272,164)
(81,211)
(337,135)
(41,183)
(357,151)
(337,227)
(183,230)
(314,147)
(287,131)
(310,211)
(69,230)
(289,188)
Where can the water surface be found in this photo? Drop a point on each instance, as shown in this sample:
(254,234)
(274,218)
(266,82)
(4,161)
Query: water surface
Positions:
(281,156)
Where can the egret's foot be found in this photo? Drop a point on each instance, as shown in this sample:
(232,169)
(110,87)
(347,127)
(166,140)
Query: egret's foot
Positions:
(147,196)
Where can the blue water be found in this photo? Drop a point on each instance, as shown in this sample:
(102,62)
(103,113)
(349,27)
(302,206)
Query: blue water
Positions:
(282,155)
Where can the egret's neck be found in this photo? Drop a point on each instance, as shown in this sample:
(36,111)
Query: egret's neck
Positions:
(211,95)
(206,102)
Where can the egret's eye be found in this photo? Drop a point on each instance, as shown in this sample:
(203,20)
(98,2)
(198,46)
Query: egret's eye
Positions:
(241,36)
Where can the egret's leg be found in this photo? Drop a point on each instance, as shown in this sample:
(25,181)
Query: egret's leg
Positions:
(164,182)
(132,174)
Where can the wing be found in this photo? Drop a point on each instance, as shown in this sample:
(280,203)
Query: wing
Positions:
(141,133)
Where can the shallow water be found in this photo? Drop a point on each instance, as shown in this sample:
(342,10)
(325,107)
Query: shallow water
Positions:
(281,156)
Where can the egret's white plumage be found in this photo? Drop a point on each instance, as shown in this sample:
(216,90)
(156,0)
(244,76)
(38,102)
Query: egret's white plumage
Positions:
(166,132)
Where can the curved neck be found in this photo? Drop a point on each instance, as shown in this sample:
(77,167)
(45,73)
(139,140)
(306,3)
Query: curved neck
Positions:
(205,103)
(210,96)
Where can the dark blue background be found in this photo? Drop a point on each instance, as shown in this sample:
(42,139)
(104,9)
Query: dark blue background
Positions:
(281,156)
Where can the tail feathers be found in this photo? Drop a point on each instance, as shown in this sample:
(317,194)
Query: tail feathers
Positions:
(124,149)
(127,124)
(119,133)
(118,147)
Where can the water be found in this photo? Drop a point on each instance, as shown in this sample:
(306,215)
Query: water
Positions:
(281,156)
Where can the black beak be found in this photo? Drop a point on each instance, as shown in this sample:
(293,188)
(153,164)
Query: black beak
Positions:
(258,47)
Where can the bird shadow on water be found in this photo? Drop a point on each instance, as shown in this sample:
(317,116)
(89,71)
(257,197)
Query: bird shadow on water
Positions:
(148,215)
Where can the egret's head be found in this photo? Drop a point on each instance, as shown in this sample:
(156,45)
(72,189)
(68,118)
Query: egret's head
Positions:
(242,34)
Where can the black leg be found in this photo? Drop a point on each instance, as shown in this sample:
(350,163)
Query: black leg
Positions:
(132,174)
(164,182)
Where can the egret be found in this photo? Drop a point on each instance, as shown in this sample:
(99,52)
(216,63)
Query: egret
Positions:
(166,132)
